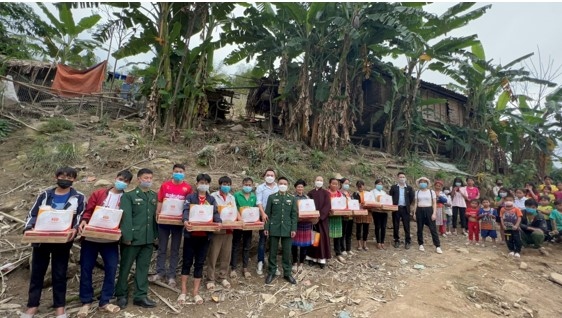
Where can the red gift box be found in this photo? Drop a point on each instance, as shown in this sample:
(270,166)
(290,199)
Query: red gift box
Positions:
(253,226)
(168,219)
(32,236)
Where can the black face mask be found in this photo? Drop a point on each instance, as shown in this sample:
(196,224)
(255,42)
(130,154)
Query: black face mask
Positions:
(64,183)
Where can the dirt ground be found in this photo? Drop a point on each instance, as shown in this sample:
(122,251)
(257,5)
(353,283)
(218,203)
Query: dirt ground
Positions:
(462,282)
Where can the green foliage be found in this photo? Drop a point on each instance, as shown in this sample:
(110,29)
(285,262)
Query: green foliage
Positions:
(362,170)
(5,128)
(414,168)
(48,156)
(18,23)
(317,158)
(205,156)
(56,124)
(523,172)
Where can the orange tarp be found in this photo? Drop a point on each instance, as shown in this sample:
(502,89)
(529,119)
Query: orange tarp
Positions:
(72,82)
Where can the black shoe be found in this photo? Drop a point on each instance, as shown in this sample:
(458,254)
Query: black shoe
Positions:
(396,244)
(322,265)
(291,279)
(145,302)
(269,279)
(311,263)
(407,246)
(122,302)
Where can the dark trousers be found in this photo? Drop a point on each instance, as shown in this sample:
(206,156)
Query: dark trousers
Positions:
(513,240)
(58,255)
(380,220)
(261,247)
(246,238)
(459,212)
(194,254)
(338,245)
(361,231)
(286,249)
(140,255)
(401,214)
(423,217)
(165,231)
(88,254)
(347,232)
(298,256)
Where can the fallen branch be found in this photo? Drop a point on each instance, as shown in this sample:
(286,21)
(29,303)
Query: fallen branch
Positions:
(15,249)
(16,188)
(12,117)
(161,284)
(165,301)
(13,218)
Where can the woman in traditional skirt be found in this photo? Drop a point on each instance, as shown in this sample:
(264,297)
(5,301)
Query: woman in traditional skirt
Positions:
(319,254)
(379,218)
(347,222)
(362,221)
(335,222)
(303,239)
(441,199)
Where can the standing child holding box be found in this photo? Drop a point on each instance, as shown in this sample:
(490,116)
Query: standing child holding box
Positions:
(510,220)
(62,197)
(109,250)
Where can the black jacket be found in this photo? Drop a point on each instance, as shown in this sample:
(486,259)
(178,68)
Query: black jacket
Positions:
(538,222)
(409,195)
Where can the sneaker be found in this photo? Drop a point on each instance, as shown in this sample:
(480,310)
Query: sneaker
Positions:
(233,274)
(444,235)
(422,249)
(516,255)
(396,244)
(154,278)
(351,253)
(294,269)
(341,259)
(467,243)
(511,254)
(172,282)
(277,272)
(344,253)
(476,244)
(448,233)
(260,268)
(438,250)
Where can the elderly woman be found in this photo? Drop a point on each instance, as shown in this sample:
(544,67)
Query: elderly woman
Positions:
(425,205)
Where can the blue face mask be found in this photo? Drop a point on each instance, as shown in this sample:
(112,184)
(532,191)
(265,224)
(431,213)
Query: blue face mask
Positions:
(345,187)
(225,189)
(247,189)
(531,211)
(178,176)
(378,187)
(120,185)
(423,185)
(458,184)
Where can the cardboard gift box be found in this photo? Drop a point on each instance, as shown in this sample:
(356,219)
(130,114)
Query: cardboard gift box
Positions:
(341,212)
(101,233)
(253,226)
(250,215)
(228,213)
(51,220)
(33,236)
(172,207)
(339,203)
(307,209)
(201,213)
(360,212)
(106,218)
(353,205)
(203,226)
(389,207)
(170,220)
(309,215)
(232,225)
(369,198)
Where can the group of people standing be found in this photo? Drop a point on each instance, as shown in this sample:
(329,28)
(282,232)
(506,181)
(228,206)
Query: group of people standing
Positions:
(301,240)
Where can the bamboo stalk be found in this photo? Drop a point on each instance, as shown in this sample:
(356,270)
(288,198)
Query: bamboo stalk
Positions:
(16,188)
(165,301)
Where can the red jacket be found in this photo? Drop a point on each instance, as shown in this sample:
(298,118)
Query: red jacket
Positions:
(95,199)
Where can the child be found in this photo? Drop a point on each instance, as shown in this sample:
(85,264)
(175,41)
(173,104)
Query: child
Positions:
(558,194)
(547,191)
(487,217)
(510,221)
(473,227)
(520,199)
(545,209)
(362,222)
(556,220)
(196,244)
(61,197)
(108,250)
(447,208)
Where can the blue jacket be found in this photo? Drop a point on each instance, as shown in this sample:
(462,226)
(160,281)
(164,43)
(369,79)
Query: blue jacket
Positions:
(76,202)
(194,199)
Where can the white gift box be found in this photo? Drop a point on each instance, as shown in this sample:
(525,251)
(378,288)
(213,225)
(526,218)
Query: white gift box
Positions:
(106,218)
(339,203)
(201,213)
(369,197)
(386,199)
(250,215)
(172,207)
(52,220)
(353,205)
(228,213)
(306,205)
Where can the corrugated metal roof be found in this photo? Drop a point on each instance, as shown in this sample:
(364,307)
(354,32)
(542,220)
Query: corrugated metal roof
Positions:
(437,165)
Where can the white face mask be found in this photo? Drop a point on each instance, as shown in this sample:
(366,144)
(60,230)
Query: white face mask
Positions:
(401,180)
(203,188)
(283,188)
(269,179)
(318,184)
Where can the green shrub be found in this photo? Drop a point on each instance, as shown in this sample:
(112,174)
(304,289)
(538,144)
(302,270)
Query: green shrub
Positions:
(5,129)
(44,156)
(56,124)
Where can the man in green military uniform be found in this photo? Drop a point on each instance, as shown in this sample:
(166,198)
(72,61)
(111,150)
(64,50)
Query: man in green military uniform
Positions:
(281,226)
(138,232)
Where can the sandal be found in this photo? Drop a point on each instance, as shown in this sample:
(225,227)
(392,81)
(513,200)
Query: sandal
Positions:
(233,275)
(247,274)
(110,308)
(84,311)
(210,286)
(182,299)
(225,284)
(198,300)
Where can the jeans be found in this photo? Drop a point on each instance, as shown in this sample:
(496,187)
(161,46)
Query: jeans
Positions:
(361,231)
(513,240)
(459,212)
(194,254)
(88,254)
(423,217)
(261,247)
(164,233)
(58,255)
(347,232)
(338,243)
(401,214)
(246,237)
(380,220)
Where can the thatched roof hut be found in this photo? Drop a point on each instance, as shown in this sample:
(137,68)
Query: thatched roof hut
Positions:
(29,70)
